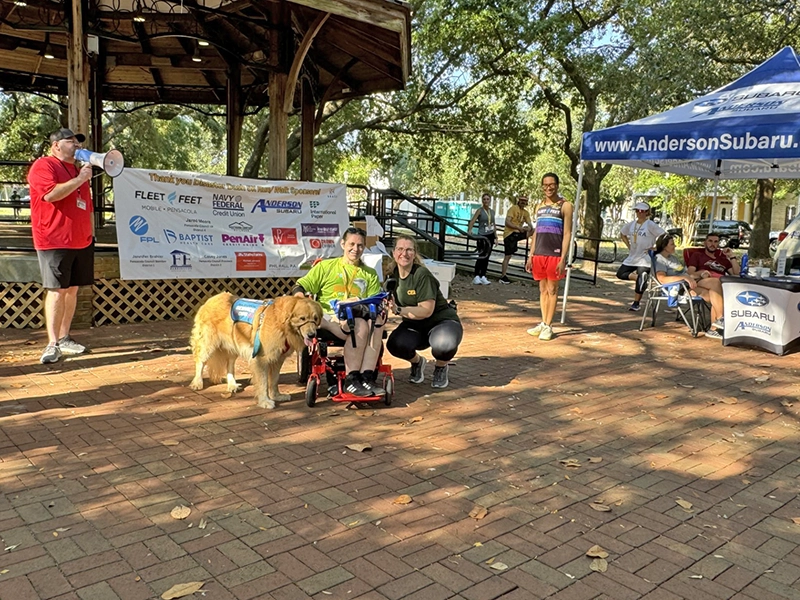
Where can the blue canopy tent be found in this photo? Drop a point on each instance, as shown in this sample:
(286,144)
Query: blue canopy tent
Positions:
(748,129)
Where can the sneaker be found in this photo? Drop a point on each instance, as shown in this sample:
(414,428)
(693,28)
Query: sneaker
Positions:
(440,377)
(505,280)
(485,281)
(369,381)
(477,281)
(634,306)
(70,347)
(547,333)
(535,331)
(418,371)
(353,385)
(714,334)
(719,323)
(51,354)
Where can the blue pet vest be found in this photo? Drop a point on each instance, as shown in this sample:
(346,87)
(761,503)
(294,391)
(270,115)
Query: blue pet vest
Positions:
(244,311)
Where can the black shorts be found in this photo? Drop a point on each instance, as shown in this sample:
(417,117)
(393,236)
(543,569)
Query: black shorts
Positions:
(511,242)
(65,268)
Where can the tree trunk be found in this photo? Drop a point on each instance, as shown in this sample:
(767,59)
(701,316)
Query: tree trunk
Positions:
(593,221)
(762,215)
(253,166)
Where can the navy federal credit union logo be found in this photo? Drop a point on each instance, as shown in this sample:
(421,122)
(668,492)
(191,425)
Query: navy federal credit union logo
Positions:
(750,298)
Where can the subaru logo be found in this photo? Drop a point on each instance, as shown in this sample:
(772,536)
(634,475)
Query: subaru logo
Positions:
(712,102)
(750,298)
(138,225)
(170,235)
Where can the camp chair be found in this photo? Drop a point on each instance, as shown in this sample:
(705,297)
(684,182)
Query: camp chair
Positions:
(676,295)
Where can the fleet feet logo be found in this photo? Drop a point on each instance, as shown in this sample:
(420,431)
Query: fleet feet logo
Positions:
(750,298)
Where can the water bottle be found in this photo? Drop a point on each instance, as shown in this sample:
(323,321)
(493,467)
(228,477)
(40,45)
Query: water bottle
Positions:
(743,266)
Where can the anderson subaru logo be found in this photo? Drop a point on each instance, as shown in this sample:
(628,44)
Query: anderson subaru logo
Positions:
(138,225)
(751,298)
(279,206)
(712,102)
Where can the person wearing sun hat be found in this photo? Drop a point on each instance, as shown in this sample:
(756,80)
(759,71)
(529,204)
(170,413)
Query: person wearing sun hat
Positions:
(639,236)
(61,224)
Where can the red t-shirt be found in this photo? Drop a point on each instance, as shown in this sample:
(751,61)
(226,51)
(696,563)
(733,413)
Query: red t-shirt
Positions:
(717,266)
(66,223)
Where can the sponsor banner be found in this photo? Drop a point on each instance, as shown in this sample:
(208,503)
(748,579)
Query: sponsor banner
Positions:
(761,314)
(180,225)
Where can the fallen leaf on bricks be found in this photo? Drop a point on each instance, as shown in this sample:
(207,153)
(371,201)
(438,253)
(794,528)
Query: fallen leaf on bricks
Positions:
(786,403)
(202,524)
(599,564)
(761,379)
(570,463)
(795,520)
(170,443)
(63,529)
(765,365)
(729,400)
(359,447)
(180,512)
(687,506)
(412,420)
(661,396)
(498,566)
(686,385)
(595,459)
(10,548)
(768,410)
(745,391)
(477,545)
(596,552)
(182,589)
(404,499)
(695,576)
(478,512)
(600,507)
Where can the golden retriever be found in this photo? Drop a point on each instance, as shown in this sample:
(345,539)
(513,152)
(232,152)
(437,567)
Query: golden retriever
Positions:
(286,325)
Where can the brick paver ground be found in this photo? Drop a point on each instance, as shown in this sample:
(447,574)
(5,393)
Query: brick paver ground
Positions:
(96,451)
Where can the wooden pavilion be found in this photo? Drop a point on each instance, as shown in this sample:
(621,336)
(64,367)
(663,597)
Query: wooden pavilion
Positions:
(290,55)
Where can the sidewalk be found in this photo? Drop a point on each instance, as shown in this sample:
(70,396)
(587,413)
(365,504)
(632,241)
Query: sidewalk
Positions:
(590,439)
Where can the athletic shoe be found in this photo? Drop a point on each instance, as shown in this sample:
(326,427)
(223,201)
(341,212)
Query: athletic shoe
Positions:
(70,347)
(51,354)
(353,385)
(505,280)
(547,333)
(477,281)
(440,377)
(634,306)
(535,331)
(418,371)
(485,281)
(719,323)
(714,334)
(369,381)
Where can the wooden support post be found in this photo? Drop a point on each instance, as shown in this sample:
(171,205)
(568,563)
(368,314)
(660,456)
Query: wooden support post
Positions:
(307,133)
(233,118)
(278,125)
(95,140)
(77,72)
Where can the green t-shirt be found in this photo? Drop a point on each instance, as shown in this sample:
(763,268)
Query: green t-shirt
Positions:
(421,285)
(333,279)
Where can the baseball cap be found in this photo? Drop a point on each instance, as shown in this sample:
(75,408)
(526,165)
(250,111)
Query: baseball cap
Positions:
(65,134)
(641,206)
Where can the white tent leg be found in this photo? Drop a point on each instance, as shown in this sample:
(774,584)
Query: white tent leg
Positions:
(575,212)
(713,205)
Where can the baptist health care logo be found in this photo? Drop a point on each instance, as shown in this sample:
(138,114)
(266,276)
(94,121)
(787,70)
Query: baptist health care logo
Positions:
(139,226)
(752,299)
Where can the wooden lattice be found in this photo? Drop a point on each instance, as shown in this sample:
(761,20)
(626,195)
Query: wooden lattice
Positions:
(21,305)
(117,301)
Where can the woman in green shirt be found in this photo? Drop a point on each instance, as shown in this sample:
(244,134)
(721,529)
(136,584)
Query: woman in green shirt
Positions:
(339,280)
(428,319)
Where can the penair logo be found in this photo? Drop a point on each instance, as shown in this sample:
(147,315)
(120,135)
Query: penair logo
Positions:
(243,240)
(750,298)
(181,261)
(284,236)
(199,239)
(227,205)
(279,206)
(139,226)
(240,226)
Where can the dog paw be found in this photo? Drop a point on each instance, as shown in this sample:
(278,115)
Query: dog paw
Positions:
(234,388)
(196,385)
(282,398)
(266,403)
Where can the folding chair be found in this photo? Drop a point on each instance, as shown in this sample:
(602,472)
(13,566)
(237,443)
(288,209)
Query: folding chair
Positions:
(676,295)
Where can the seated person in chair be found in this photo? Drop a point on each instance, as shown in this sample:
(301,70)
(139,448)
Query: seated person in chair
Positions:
(339,280)
(428,319)
(710,261)
(670,270)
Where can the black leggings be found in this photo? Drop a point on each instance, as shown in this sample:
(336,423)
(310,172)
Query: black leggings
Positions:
(482,264)
(443,339)
(625,271)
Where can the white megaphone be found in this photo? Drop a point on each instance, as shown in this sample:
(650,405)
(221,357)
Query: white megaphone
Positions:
(111,162)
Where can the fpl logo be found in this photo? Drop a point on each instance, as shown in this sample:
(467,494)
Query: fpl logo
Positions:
(139,227)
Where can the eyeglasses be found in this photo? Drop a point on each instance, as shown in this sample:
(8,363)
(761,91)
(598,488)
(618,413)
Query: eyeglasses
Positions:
(549,186)
(405,250)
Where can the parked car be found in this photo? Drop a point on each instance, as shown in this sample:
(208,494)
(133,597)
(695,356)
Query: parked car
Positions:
(774,238)
(731,233)
(789,240)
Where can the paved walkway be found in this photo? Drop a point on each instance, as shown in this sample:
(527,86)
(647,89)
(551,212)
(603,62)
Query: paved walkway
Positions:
(690,451)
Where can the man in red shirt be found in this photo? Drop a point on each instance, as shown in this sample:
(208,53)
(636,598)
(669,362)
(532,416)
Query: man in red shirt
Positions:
(61,223)
(713,262)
